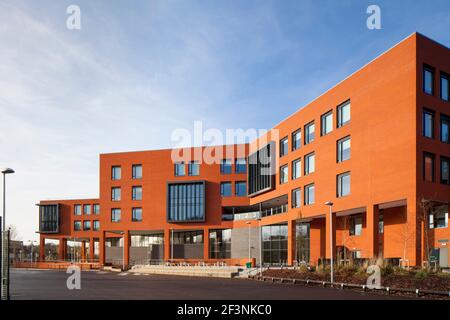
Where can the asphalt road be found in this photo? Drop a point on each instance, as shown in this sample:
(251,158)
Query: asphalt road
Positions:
(51,285)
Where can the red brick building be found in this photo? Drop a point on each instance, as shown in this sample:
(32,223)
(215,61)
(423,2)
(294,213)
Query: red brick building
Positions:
(376,145)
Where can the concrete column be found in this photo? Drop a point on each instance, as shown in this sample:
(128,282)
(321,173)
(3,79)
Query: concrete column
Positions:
(371,236)
(205,243)
(291,241)
(91,249)
(329,233)
(102,249)
(126,243)
(42,248)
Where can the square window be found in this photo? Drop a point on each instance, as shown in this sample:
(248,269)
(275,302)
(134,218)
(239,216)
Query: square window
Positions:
(136,214)
(296,140)
(343,149)
(116,173)
(326,123)
(428,167)
(241,188)
(445,129)
(241,165)
(445,87)
(344,114)
(87,209)
(283,147)
(310,163)
(115,215)
(77,225)
(296,169)
(296,198)
(428,80)
(77,209)
(179,169)
(137,171)
(309,132)
(225,189)
(115,194)
(309,194)
(284,172)
(136,193)
(96,225)
(193,168)
(225,166)
(343,184)
(428,124)
(86,225)
(445,169)
(96,209)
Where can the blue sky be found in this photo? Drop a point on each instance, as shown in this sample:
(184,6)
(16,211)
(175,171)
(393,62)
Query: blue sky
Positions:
(134,73)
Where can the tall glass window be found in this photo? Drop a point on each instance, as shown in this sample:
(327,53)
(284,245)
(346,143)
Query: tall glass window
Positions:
(186,201)
(87,209)
(220,244)
(296,169)
(225,189)
(115,194)
(137,171)
(194,168)
(355,225)
(116,173)
(136,214)
(343,184)
(241,188)
(284,173)
(428,167)
(327,123)
(296,140)
(77,209)
(309,194)
(241,165)
(445,87)
(136,193)
(445,170)
(77,225)
(179,169)
(303,242)
(428,124)
(428,80)
(225,166)
(343,149)
(86,225)
(283,147)
(310,163)
(296,198)
(309,132)
(344,114)
(445,129)
(96,209)
(274,242)
(96,225)
(115,215)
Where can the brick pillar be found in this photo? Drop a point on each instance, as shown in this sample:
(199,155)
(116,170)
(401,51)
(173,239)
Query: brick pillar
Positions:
(62,249)
(371,236)
(167,239)
(412,233)
(91,249)
(329,233)
(291,241)
(205,244)
(83,251)
(126,243)
(101,247)
(41,248)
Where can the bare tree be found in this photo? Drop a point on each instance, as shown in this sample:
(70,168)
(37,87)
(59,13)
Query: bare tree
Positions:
(14,233)
(426,205)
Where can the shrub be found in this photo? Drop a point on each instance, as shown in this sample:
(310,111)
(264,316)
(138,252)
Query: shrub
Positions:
(421,274)
(387,270)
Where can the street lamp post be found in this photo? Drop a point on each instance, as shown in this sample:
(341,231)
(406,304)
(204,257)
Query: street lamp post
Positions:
(5,258)
(260,247)
(330,205)
(249,241)
(171,246)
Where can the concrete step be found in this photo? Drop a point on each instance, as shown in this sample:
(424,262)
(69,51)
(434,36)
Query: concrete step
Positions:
(194,271)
